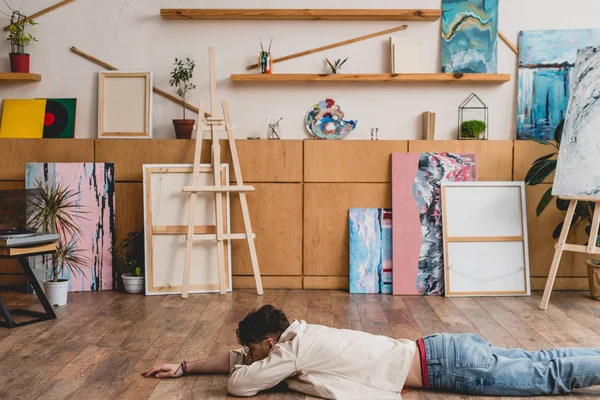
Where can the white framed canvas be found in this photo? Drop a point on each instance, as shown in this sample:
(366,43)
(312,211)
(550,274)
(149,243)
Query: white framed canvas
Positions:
(124,104)
(166,212)
(486,251)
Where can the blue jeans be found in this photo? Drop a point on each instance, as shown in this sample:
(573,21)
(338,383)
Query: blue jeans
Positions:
(465,363)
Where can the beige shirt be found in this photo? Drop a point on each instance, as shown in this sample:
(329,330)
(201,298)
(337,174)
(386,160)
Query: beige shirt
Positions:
(327,362)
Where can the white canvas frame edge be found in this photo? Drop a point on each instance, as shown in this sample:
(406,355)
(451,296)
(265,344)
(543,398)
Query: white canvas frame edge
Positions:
(522,187)
(228,229)
(150,98)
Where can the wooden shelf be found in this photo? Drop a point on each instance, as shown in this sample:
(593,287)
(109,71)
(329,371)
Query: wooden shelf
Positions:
(302,14)
(406,78)
(17,76)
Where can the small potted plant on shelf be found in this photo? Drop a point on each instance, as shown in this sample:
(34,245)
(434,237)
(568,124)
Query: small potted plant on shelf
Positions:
(130,255)
(473,129)
(541,169)
(53,213)
(181,76)
(19,60)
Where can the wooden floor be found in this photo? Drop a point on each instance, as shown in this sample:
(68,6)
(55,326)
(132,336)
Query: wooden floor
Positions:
(101,342)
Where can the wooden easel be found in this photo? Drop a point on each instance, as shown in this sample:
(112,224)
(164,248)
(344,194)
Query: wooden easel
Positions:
(207,122)
(562,245)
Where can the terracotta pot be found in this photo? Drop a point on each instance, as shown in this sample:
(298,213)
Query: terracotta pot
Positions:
(184,128)
(594,277)
(19,62)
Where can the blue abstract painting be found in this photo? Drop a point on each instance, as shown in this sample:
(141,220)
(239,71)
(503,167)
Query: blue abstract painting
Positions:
(470,36)
(546,61)
(578,168)
(370,250)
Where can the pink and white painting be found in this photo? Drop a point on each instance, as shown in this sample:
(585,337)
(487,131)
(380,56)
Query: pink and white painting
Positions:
(418,250)
(94,213)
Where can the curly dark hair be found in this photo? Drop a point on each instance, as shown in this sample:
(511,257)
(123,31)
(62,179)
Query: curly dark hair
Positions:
(260,323)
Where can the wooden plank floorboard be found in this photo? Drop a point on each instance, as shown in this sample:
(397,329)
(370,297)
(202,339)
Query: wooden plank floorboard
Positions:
(101,342)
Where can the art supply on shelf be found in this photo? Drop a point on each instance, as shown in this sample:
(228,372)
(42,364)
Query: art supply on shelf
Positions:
(374,133)
(428,125)
(273,129)
(336,67)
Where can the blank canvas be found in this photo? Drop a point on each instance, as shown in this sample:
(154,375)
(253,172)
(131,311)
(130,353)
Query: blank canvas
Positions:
(485,239)
(166,209)
(407,54)
(124,104)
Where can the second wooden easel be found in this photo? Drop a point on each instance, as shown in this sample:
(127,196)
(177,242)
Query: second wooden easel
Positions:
(207,122)
(562,245)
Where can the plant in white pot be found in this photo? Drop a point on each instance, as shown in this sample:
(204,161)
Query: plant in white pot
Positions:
(130,255)
(19,60)
(54,212)
(181,77)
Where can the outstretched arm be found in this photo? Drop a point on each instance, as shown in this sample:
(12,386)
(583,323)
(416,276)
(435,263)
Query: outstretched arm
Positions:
(213,365)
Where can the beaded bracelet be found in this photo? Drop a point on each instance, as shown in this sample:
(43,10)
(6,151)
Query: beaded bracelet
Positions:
(182,366)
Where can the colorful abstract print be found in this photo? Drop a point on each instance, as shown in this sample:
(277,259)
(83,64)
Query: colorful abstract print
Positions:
(469,36)
(546,61)
(370,250)
(94,214)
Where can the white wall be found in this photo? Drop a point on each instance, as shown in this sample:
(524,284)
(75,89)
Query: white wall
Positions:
(131,35)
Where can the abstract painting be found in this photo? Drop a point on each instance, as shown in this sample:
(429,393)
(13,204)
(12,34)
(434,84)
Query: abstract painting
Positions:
(23,118)
(418,251)
(325,120)
(546,60)
(370,250)
(578,168)
(470,36)
(94,213)
(59,118)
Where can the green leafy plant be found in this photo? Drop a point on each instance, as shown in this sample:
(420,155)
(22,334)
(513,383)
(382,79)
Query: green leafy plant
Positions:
(472,129)
(53,212)
(16,32)
(181,76)
(541,169)
(130,253)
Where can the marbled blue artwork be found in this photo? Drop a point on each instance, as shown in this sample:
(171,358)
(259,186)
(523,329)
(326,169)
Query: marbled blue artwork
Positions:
(470,36)
(370,250)
(578,168)
(546,60)
(325,120)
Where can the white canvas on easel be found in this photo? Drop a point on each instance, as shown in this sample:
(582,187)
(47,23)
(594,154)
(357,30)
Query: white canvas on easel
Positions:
(165,223)
(406,55)
(485,239)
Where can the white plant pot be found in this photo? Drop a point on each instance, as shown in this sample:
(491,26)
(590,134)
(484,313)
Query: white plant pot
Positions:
(56,292)
(133,284)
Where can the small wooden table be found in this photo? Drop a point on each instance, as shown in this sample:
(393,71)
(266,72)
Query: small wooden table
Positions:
(23,254)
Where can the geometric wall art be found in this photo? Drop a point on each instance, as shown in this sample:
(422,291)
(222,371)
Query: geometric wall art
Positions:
(38,118)
(418,251)
(578,168)
(470,36)
(546,60)
(370,250)
(94,213)
(59,118)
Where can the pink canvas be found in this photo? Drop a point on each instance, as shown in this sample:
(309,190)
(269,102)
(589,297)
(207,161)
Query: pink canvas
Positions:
(418,256)
(95,215)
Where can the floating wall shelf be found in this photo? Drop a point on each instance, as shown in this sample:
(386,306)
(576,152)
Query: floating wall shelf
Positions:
(406,78)
(302,14)
(17,76)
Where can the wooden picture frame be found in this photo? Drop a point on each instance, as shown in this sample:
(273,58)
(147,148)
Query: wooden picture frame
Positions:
(486,249)
(124,105)
(166,209)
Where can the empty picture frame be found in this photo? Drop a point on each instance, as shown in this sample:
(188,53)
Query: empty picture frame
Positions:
(166,212)
(485,239)
(124,104)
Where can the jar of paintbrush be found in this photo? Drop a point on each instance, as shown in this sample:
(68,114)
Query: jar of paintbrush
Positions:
(265,62)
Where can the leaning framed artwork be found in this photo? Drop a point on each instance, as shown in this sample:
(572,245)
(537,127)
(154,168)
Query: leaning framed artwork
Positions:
(485,239)
(166,211)
(124,104)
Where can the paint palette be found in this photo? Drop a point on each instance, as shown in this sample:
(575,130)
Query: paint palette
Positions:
(325,120)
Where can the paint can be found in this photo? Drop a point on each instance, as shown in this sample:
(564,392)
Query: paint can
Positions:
(265,62)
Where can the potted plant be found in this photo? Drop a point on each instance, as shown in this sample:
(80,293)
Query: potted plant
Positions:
(53,213)
(130,255)
(181,77)
(584,211)
(19,60)
(472,129)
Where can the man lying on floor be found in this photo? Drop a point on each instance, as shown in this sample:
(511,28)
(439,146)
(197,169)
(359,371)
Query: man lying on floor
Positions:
(344,364)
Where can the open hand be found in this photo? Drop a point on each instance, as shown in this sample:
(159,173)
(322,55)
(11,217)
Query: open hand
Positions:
(164,371)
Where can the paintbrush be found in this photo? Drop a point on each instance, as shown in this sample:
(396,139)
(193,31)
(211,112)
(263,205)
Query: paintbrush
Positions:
(261,46)
(339,66)
(270,43)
